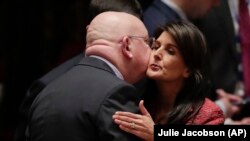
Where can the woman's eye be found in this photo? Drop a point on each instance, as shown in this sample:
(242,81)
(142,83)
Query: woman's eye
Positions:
(171,51)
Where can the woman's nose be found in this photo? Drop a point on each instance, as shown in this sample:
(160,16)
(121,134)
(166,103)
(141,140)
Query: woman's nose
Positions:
(158,54)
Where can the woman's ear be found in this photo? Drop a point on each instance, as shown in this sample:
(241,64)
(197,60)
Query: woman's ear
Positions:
(126,49)
(186,73)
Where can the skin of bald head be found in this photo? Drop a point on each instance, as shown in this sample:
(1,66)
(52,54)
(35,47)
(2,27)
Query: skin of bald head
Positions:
(108,36)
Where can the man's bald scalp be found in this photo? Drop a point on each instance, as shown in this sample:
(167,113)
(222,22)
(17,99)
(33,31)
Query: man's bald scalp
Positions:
(114,25)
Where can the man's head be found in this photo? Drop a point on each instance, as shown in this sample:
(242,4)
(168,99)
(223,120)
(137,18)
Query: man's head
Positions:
(121,39)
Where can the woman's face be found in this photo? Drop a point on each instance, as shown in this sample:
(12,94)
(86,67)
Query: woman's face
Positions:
(166,63)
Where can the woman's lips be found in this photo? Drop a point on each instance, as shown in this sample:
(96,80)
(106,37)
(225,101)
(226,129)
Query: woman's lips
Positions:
(155,67)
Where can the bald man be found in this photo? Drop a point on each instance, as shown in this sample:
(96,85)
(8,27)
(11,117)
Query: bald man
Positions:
(78,106)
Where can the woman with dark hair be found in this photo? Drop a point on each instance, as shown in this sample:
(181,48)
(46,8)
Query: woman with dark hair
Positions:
(177,88)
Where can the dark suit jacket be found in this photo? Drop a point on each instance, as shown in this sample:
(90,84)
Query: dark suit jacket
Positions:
(36,87)
(78,106)
(218,29)
(158,14)
(39,84)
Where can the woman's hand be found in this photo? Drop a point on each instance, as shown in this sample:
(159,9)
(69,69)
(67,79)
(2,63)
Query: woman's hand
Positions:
(231,102)
(139,125)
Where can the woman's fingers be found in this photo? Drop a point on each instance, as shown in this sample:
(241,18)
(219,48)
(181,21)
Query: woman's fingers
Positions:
(128,114)
(143,109)
(136,132)
(128,119)
(130,125)
(139,125)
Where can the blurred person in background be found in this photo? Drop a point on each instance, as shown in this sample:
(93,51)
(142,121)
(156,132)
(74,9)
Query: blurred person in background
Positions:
(226,29)
(159,12)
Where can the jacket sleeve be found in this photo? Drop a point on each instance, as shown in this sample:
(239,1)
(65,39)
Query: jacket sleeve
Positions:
(122,98)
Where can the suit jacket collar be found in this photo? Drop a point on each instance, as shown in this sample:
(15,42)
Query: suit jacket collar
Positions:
(96,63)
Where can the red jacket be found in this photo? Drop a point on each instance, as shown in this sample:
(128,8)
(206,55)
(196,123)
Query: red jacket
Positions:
(209,114)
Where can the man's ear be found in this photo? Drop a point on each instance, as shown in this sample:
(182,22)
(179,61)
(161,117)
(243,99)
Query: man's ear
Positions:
(126,49)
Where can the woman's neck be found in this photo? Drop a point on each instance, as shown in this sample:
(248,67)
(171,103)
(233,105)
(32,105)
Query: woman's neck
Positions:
(168,91)
(167,95)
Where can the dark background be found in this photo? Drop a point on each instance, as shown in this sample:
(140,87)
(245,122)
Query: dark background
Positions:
(35,36)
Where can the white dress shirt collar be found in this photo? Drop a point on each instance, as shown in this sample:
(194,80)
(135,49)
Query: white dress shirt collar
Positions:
(116,71)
